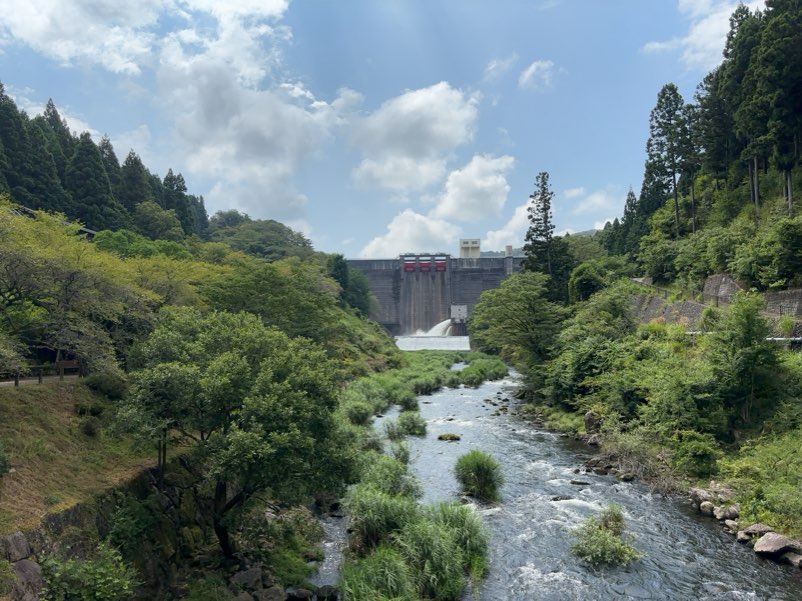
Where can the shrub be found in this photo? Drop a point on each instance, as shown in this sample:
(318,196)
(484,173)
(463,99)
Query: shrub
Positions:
(600,541)
(359,413)
(209,587)
(469,532)
(696,454)
(480,475)
(91,426)
(392,477)
(434,553)
(412,423)
(104,577)
(112,385)
(481,369)
(401,452)
(7,577)
(382,575)
(375,514)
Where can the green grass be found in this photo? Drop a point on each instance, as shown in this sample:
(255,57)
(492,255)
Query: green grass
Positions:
(55,464)
(479,475)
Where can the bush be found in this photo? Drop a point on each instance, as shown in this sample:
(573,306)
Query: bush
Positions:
(479,475)
(104,577)
(383,575)
(91,426)
(359,413)
(401,452)
(392,477)
(7,577)
(600,541)
(112,385)
(376,514)
(209,587)
(469,532)
(412,423)
(481,369)
(696,454)
(434,553)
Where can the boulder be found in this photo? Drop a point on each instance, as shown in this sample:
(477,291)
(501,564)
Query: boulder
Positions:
(299,594)
(594,440)
(772,543)
(792,558)
(758,529)
(244,597)
(731,525)
(14,547)
(627,477)
(274,593)
(706,508)
(699,496)
(561,498)
(592,423)
(29,580)
(727,512)
(327,593)
(250,579)
(742,537)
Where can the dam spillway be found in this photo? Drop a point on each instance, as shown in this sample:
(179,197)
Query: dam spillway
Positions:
(416,292)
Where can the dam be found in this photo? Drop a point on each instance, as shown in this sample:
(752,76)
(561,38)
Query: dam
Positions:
(418,291)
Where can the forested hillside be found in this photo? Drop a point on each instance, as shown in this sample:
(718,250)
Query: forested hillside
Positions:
(719,195)
(722,176)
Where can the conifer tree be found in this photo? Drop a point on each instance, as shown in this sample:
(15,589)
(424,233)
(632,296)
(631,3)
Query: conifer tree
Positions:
(110,164)
(89,187)
(45,190)
(540,234)
(134,183)
(63,136)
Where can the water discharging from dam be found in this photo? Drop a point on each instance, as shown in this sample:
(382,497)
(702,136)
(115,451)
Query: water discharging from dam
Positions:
(436,338)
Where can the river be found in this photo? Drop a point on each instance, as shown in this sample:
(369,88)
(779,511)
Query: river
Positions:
(687,557)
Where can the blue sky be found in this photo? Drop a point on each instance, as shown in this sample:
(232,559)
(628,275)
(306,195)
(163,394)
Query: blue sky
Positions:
(374,126)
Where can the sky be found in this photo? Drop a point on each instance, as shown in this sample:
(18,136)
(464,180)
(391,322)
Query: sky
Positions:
(375,127)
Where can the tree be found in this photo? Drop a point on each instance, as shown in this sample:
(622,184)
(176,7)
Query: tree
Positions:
(63,136)
(174,197)
(258,405)
(540,234)
(743,361)
(668,137)
(111,164)
(90,189)
(517,320)
(156,223)
(134,184)
(44,187)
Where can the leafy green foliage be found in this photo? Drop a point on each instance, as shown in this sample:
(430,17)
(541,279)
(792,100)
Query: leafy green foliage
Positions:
(601,541)
(479,475)
(103,577)
(376,514)
(381,576)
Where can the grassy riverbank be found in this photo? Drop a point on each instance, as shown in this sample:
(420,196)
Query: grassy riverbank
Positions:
(55,438)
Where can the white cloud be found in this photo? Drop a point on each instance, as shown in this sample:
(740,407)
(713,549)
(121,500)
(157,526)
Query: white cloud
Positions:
(414,133)
(499,66)
(412,232)
(476,191)
(537,75)
(702,46)
(597,202)
(116,35)
(574,192)
(399,173)
(512,232)
(599,225)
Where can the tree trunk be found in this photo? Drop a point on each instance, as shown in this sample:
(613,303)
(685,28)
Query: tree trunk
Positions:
(693,206)
(789,197)
(220,529)
(676,204)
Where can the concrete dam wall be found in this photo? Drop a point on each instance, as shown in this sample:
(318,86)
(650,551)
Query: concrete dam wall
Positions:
(416,292)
